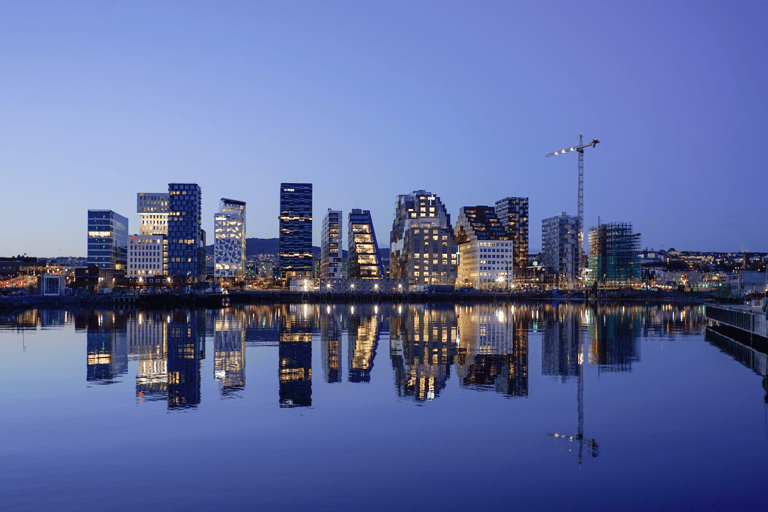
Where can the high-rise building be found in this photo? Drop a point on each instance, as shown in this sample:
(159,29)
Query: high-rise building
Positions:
(330,246)
(295,258)
(561,248)
(229,240)
(364,260)
(614,255)
(513,214)
(485,250)
(186,238)
(422,246)
(107,240)
(152,208)
(148,251)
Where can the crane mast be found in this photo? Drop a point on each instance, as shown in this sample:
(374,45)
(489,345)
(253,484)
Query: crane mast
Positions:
(580,149)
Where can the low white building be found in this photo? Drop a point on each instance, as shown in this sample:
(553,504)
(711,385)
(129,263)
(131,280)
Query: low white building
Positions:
(147,255)
(51,285)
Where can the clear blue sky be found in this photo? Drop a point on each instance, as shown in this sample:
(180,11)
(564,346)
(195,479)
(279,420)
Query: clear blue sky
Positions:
(368,100)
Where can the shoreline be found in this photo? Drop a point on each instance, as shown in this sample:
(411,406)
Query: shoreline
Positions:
(20,303)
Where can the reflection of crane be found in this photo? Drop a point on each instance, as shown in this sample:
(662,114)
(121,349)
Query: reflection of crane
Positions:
(579,437)
(580,149)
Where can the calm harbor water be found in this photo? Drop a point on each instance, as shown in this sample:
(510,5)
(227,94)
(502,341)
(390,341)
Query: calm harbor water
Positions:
(409,407)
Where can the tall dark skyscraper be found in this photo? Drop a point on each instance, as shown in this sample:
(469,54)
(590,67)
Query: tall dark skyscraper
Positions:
(186,238)
(513,214)
(295,258)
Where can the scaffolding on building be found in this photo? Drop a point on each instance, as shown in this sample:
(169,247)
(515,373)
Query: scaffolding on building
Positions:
(614,255)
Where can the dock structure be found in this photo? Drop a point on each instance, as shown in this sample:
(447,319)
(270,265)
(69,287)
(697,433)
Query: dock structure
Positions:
(750,319)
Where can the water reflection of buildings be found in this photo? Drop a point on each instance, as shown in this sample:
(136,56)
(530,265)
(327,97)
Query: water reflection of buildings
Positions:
(749,349)
(560,340)
(492,351)
(229,351)
(613,335)
(295,352)
(147,339)
(363,340)
(186,347)
(421,349)
(330,339)
(669,320)
(107,345)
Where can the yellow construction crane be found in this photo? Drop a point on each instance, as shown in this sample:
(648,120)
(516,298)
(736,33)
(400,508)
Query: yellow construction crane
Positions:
(580,149)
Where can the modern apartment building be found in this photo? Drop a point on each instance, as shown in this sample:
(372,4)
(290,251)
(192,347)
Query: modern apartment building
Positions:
(561,251)
(363,257)
(485,250)
(513,215)
(295,257)
(107,240)
(186,237)
(330,245)
(229,240)
(422,246)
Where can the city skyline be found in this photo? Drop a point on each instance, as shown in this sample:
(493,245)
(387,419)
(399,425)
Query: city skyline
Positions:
(371,101)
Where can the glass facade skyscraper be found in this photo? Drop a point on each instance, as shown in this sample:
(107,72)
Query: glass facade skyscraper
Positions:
(186,238)
(107,240)
(295,258)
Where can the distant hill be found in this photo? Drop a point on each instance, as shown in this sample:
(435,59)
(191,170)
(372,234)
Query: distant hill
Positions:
(258,246)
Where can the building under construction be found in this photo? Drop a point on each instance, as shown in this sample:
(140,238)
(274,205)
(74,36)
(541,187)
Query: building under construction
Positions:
(614,255)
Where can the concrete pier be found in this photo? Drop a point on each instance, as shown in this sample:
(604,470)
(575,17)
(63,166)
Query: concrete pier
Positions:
(747,318)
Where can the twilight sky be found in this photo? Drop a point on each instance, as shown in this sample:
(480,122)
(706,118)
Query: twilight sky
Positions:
(368,100)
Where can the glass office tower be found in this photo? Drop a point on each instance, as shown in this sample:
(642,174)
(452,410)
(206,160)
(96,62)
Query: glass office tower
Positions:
(295,257)
(107,240)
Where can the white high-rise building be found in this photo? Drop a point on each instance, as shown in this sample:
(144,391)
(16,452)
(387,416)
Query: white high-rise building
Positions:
(330,246)
(148,251)
(229,244)
(153,213)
